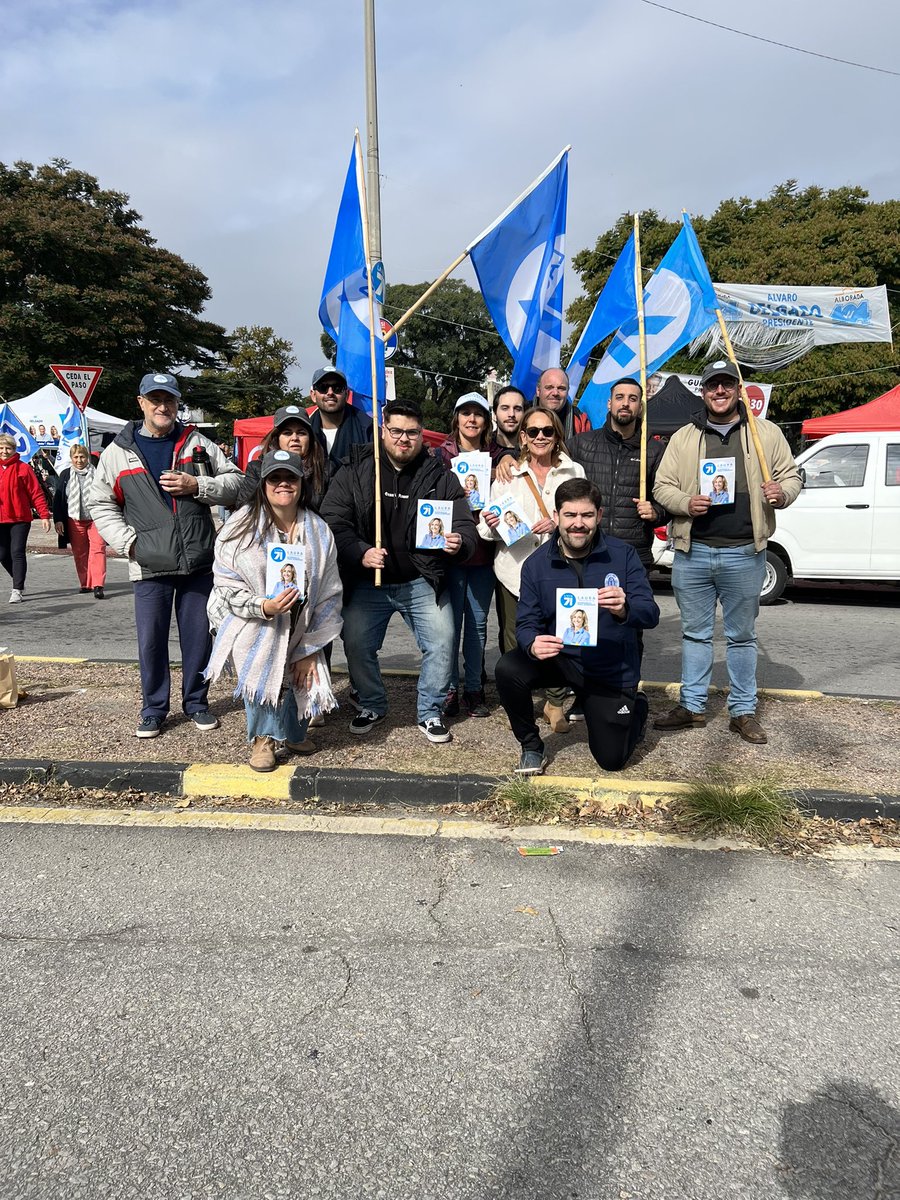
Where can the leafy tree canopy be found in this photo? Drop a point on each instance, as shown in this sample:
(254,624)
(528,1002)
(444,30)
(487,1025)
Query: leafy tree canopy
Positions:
(255,380)
(447,349)
(807,237)
(81,281)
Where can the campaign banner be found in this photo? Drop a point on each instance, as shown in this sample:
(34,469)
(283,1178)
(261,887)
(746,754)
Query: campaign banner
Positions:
(827,314)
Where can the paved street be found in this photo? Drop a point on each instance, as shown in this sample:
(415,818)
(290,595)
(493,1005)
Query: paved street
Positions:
(250,1014)
(840,640)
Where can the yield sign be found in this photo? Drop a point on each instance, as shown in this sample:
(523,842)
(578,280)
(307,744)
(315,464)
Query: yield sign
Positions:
(79,382)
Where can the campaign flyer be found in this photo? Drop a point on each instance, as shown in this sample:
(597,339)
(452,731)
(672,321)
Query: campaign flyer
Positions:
(576,616)
(717,479)
(285,568)
(513,526)
(434,520)
(473,470)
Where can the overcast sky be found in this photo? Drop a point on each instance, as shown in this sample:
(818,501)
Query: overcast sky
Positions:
(230,124)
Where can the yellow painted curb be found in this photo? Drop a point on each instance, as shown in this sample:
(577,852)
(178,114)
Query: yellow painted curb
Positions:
(41,658)
(449,829)
(225,779)
(673,691)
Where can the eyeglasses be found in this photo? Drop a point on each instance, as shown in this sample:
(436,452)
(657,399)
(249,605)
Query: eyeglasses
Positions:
(536,431)
(403,435)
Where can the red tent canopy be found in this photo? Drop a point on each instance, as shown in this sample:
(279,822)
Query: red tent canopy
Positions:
(249,433)
(878,416)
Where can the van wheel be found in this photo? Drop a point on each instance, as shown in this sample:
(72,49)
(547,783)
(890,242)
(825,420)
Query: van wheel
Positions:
(776,579)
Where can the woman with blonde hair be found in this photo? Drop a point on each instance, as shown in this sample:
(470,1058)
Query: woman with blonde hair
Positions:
(73,522)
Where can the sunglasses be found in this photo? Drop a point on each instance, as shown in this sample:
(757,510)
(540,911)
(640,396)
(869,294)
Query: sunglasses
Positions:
(536,431)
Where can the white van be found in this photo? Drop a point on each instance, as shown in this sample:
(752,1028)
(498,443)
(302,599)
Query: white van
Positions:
(845,524)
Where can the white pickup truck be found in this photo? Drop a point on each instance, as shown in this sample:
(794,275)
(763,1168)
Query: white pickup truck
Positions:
(845,524)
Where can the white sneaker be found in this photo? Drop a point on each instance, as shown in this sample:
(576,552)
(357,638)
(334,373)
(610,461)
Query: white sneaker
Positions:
(15,596)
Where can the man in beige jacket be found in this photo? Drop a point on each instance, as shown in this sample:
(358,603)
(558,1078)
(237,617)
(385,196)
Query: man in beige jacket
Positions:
(720,548)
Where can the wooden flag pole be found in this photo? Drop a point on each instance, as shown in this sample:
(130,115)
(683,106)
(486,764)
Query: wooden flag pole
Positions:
(642,342)
(751,418)
(364,216)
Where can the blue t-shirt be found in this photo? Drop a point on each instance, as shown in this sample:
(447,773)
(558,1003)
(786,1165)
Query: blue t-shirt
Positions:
(157,454)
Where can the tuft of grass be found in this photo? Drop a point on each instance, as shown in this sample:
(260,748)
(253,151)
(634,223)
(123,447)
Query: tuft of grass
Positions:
(720,805)
(522,799)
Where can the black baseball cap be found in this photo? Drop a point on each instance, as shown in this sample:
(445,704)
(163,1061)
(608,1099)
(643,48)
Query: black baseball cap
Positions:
(329,373)
(291,412)
(281,460)
(723,367)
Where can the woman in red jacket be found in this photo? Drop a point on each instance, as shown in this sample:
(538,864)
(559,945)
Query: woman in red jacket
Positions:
(19,493)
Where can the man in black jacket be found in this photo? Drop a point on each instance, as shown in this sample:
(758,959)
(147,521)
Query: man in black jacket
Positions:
(413,581)
(338,424)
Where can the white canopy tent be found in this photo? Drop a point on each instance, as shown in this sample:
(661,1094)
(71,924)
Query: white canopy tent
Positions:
(41,414)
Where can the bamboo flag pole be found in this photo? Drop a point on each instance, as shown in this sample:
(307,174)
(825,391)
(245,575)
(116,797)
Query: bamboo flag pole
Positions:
(364,216)
(751,418)
(642,342)
(433,288)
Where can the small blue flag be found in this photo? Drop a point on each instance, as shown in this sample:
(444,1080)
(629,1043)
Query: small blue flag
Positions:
(344,307)
(73,432)
(615,304)
(519,263)
(25,443)
(679,304)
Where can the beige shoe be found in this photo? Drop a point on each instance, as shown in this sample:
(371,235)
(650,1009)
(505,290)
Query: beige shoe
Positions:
(307,746)
(317,722)
(262,754)
(555,718)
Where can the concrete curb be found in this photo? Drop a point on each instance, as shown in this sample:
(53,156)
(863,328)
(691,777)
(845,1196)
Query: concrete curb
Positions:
(334,786)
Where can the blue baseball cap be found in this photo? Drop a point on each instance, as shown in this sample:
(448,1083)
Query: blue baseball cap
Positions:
(159,381)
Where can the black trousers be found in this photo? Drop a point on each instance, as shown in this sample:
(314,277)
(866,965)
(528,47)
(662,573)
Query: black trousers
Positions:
(613,718)
(13,536)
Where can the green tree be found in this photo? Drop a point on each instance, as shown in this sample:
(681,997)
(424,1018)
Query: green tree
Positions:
(447,349)
(805,237)
(254,381)
(81,281)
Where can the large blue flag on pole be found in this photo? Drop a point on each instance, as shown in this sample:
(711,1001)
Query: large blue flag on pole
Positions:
(615,304)
(679,304)
(25,443)
(519,263)
(344,307)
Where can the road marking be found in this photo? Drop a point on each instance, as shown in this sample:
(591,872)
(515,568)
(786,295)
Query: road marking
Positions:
(225,779)
(417,827)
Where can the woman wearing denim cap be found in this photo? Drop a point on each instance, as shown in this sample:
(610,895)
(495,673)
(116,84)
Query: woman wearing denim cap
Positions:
(276,645)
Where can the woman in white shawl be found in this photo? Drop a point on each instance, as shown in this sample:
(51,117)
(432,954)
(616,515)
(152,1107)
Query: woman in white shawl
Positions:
(275,646)
(72,518)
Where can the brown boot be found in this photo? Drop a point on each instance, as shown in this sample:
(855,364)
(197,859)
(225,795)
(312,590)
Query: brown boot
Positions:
(307,746)
(680,718)
(555,718)
(749,729)
(262,754)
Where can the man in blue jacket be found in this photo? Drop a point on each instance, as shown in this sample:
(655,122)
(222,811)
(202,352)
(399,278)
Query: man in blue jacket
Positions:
(337,424)
(605,676)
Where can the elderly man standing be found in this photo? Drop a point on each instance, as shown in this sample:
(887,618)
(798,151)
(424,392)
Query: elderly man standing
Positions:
(720,550)
(338,424)
(150,500)
(552,393)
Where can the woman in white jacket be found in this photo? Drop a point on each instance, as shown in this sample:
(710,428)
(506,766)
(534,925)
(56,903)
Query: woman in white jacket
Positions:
(543,465)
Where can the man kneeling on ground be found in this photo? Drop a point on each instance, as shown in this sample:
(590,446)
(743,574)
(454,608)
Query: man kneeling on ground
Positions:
(605,676)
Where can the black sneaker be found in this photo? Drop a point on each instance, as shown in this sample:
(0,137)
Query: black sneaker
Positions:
(576,712)
(353,697)
(148,727)
(450,707)
(205,721)
(435,730)
(365,721)
(531,763)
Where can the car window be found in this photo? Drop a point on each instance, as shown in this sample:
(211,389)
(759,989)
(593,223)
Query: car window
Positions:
(892,472)
(837,466)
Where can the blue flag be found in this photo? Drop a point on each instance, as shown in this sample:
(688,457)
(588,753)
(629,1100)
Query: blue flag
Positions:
(344,307)
(519,264)
(25,443)
(615,304)
(73,432)
(679,304)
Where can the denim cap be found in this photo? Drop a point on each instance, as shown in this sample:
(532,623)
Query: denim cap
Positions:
(472,398)
(722,367)
(159,381)
(291,412)
(280,460)
(328,373)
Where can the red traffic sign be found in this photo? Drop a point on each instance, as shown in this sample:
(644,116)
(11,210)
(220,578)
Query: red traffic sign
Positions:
(79,382)
(389,338)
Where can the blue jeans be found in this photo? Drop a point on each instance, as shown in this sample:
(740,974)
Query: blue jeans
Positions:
(281,722)
(154,600)
(471,590)
(734,576)
(366,618)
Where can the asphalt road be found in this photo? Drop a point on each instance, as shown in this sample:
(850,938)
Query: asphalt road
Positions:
(257,1015)
(837,640)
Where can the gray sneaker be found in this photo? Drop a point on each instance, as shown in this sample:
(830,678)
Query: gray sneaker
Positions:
(531,763)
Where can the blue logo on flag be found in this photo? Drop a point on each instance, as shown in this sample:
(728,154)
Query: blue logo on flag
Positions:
(344,307)
(519,264)
(26,446)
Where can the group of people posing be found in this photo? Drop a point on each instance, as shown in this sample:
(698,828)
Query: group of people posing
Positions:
(308,503)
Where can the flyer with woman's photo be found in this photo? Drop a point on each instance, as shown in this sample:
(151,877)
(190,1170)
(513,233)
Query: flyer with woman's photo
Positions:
(513,524)
(285,568)
(474,474)
(434,520)
(717,479)
(576,616)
